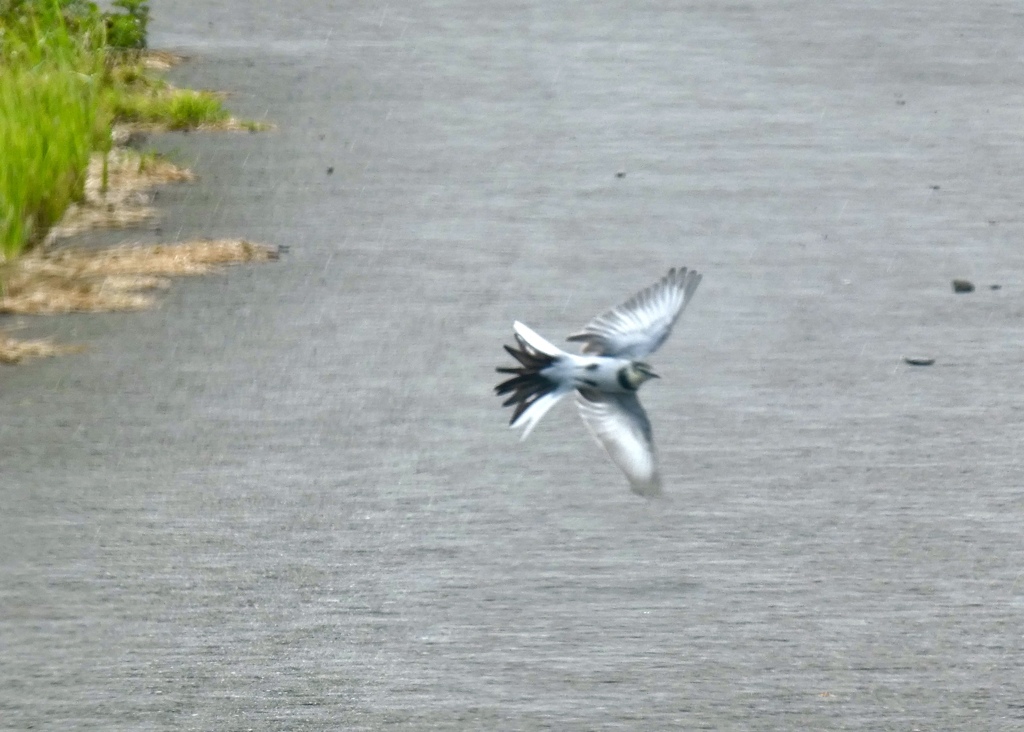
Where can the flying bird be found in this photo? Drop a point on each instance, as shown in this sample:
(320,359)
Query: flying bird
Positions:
(606,377)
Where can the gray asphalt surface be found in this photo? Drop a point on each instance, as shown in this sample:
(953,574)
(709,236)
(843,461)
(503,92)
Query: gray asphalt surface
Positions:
(287,499)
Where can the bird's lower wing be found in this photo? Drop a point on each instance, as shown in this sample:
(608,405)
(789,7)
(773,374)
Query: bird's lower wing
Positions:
(621,427)
(537,409)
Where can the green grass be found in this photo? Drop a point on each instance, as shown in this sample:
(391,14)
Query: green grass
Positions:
(62,86)
(47,126)
(136,96)
(50,119)
(176,109)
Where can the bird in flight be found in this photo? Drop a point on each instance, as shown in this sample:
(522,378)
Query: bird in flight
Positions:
(606,377)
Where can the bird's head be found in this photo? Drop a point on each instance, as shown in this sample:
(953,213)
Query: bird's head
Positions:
(639,372)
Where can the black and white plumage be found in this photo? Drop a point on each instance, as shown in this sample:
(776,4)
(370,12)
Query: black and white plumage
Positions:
(606,378)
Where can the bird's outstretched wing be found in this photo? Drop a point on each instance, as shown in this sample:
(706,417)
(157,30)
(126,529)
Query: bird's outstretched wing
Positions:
(621,427)
(641,324)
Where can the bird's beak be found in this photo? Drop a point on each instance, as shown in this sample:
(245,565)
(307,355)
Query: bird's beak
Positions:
(653,375)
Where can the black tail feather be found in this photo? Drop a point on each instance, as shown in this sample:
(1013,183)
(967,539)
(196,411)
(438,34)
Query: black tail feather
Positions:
(527,384)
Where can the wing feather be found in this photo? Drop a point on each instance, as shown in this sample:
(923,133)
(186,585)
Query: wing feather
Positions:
(640,325)
(620,425)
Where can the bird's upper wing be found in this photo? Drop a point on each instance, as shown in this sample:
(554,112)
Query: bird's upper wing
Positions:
(641,324)
(623,430)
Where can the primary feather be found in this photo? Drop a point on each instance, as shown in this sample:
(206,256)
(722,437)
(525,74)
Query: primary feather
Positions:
(640,325)
(621,427)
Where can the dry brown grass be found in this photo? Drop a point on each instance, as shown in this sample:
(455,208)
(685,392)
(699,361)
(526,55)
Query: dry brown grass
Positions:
(125,200)
(14,351)
(115,278)
(160,60)
(230,124)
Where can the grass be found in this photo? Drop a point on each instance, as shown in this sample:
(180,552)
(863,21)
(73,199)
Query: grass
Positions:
(115,278)
(63,87)
(118,278)
(136,97)
(117,187)
(46,125)
(176,109)
(66,95)
(16,351)
(50,120)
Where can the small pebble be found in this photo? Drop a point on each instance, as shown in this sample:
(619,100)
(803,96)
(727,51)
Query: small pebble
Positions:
(995,287)
(621,174)
(330,170)
(963,286)
(914,361)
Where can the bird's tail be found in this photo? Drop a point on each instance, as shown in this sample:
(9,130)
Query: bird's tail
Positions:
(533,393)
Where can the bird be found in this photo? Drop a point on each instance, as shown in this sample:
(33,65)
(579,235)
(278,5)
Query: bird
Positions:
(605,377)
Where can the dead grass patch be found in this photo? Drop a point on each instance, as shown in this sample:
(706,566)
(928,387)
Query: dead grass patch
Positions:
(160,60)
(233,124)
(230,124)
(121,198)
(15,351)
(114,278)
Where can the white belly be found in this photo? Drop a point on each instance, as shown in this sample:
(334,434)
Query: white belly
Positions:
(589,372)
